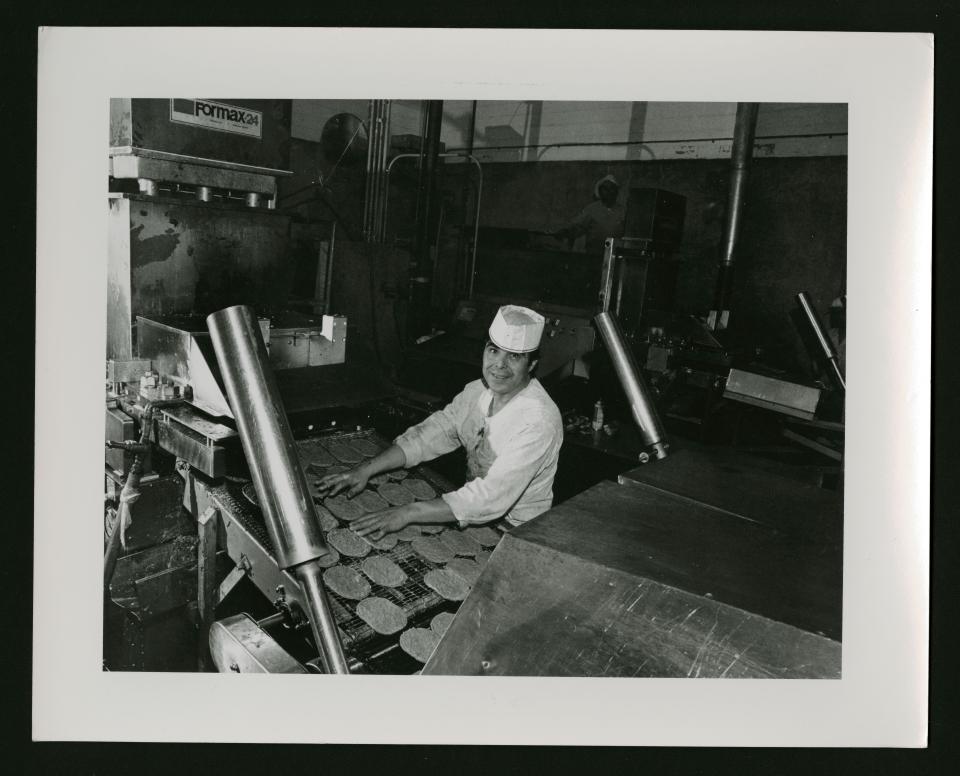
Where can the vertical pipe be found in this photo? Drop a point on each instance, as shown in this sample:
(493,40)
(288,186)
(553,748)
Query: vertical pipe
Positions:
(421,268)
(743,135)
(421,155)
(384,180)
(271,454)
(328,283)
(473,128)
(377,142)
(427,188)
(641,403)
(476,225)
(472,262)
(374,169)
(371,155)
(378,186)
(375,191)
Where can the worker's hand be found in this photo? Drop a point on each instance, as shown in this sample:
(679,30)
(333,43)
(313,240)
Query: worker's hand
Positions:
(379,524)
(352,482)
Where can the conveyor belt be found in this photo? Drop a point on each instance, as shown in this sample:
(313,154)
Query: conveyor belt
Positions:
(419,602)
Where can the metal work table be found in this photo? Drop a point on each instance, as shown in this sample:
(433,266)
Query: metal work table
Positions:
(631,580)
(745,486)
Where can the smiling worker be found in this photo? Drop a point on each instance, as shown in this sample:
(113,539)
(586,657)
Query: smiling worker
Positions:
(508,425)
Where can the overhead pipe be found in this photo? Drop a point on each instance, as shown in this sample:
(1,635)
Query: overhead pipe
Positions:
(638,396)
(271,454)
(827,348)
(744,132)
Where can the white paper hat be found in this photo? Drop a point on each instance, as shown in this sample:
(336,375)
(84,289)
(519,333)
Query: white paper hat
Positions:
(516,329)
(599,183)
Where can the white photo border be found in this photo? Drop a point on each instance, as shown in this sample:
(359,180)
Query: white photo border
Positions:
(887,81)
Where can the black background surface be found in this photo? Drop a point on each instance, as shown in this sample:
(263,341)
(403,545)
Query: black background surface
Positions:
(19,22)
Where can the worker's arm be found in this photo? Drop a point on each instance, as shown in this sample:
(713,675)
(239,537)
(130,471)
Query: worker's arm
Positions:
(436,435)
(481,500)
(356,479)
(440,433)
(379,524)
(531,449)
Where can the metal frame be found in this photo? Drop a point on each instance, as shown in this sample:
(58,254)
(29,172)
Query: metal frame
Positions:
(476,215)
(615,252)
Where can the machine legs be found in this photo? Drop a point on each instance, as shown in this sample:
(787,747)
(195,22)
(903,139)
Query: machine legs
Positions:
(207,588)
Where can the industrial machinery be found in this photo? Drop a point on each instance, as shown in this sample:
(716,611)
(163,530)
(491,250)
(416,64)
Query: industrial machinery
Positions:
(215,413)
(621,559)
(224,408)
(246,489)
(192,228)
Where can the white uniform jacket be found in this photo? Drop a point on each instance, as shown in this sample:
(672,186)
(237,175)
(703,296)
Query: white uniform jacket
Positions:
(511,456)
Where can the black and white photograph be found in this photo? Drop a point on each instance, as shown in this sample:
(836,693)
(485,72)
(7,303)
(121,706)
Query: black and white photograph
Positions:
(461,384)
(527,388)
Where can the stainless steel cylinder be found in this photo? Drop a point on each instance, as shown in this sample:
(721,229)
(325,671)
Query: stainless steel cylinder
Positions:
(253,199)
(272,456)
(743,135)
(267,441)
(641,404)
(826,344)
(324,629)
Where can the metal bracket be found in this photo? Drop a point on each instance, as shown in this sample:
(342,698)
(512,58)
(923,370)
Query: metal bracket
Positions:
(236,574)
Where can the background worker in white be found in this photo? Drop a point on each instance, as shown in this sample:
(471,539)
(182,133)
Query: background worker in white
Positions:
(508,425)
(602,218)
